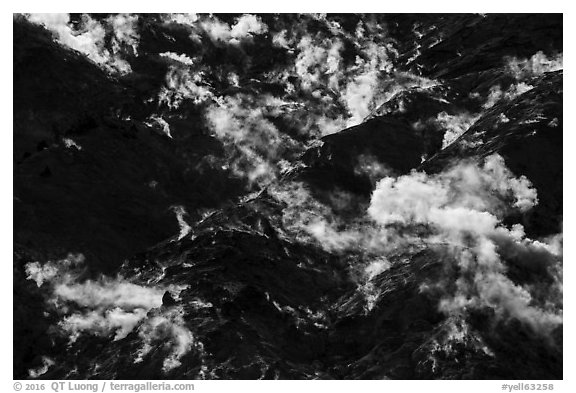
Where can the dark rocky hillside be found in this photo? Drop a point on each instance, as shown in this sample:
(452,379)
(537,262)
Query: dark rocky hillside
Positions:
(288,196)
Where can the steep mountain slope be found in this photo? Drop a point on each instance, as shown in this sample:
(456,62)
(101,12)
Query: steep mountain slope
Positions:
(282,196)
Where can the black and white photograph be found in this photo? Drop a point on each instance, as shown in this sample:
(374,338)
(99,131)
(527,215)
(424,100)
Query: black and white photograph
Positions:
(287,196)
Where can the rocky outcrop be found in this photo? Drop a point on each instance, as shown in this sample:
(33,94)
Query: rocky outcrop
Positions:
(239,280)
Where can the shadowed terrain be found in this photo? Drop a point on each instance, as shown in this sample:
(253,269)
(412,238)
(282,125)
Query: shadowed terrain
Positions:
(288,196)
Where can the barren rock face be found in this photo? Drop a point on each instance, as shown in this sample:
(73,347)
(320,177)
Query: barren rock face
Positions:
(288,196)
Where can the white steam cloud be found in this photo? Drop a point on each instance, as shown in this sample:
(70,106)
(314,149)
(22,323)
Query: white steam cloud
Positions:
(343,94)
(183,82)
(460,210)
(523,70)
(111,307)
(248,25)
(464,189)
(319,64)
(310,221)
(255,145)
(245,28)
(454,125)
(43,369)
(537,65)
(496,94)
(181,213)
(168,331)
(90,38)
(159,124)
(463,207)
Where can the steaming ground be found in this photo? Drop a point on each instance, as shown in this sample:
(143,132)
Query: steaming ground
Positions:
(460,209)
(374,259)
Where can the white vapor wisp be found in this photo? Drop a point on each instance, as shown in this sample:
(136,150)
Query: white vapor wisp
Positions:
(523,71)
(536,65)
(324,92)
(254,145)
(90,38)
(460,210)
(111,307)
(464,208)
